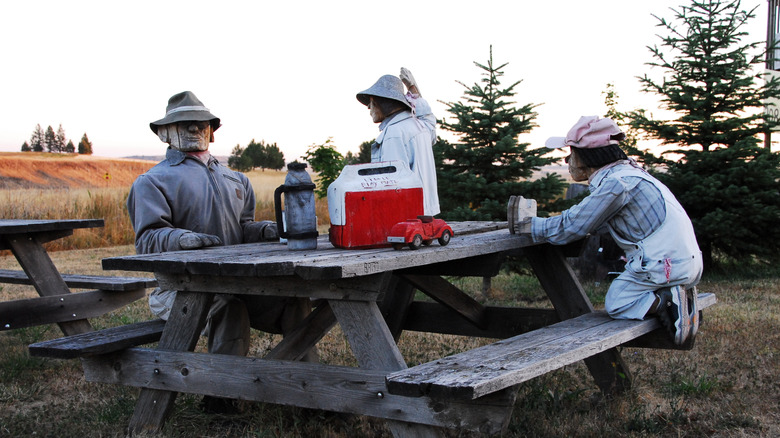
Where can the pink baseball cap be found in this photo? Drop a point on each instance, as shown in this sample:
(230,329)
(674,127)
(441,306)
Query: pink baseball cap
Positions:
(589,132)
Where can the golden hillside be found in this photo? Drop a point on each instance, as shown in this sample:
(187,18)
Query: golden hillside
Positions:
(25,170)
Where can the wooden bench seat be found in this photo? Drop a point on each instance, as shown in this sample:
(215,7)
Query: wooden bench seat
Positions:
(101,341)
(486,370)
(109,293)
(85,281)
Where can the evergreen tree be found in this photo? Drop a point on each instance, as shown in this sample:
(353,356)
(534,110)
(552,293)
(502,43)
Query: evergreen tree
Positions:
(256,153)
(726,182)
(26,147)
(60,140)
(274,157)
(36,139)
(478,174)
(238,161)
(85,146)
(50,140)
(70,147)
(363,156)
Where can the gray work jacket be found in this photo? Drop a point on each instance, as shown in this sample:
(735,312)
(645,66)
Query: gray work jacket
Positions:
(182,194)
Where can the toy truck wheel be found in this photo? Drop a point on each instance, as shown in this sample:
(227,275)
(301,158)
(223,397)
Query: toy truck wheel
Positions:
(416,243)
(445,238)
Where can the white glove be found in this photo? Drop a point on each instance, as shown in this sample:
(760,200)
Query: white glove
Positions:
(408,80)
(523,226)
(192,240)
(518,214)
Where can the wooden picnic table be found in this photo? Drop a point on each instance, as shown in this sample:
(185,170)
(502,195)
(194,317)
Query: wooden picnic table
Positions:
(370,294)
(56,304)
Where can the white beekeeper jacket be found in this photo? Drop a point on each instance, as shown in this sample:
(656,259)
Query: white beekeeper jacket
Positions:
(410,138)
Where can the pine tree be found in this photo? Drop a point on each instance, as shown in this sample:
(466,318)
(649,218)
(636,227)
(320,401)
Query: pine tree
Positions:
(70,147)
(238,161)
(85,146)
(36,139)
(488,164)
(60,139)
(26,147)
(50,140)
(726,182)
(274,157)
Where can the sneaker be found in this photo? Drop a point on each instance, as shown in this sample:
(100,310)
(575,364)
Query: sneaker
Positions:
(673,313)
(693,310)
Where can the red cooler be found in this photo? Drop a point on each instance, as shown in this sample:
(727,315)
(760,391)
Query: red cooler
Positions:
(366,200)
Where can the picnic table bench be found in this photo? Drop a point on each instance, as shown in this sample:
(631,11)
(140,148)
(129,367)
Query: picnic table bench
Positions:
(370,294)
(56,303)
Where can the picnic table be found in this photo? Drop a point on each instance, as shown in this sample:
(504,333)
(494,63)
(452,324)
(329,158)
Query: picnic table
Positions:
(56,303)
(370,294)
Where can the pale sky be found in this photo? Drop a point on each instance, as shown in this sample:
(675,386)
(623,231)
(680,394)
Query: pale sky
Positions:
(287,72)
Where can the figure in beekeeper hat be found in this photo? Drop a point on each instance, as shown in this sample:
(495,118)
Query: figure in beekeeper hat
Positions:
(190,201)
(664,262)
(408,130)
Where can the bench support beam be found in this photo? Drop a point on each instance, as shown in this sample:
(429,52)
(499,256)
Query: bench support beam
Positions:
(569,299)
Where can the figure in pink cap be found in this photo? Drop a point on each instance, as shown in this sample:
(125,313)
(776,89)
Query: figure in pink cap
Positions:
(663,258)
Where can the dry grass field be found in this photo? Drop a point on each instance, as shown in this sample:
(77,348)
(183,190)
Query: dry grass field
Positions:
(727,386)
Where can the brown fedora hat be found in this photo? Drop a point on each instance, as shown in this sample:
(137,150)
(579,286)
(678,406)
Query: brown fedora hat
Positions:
(184,107)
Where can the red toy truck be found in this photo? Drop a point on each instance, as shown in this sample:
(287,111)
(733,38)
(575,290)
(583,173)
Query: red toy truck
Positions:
(419,232)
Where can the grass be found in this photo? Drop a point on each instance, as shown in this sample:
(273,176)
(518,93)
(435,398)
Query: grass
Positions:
(727,386)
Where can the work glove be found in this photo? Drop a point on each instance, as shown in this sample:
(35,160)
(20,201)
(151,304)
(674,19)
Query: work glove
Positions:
(518,214)
(523,226)
(262,231)
(408,80)
(192,240)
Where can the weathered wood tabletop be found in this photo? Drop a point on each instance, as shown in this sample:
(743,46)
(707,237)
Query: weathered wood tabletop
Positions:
(369,293)
(25,238)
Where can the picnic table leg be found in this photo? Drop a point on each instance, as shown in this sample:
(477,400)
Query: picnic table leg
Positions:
(38,266)
(181,333)
(398,296)
(374,347)
(569,299)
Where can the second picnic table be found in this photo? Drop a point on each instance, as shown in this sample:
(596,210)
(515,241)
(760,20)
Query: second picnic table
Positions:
(370,294)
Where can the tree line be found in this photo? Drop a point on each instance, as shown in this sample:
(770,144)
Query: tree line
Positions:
(256,155)
(55,142)
(727,182)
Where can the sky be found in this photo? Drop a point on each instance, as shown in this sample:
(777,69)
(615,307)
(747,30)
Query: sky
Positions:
(287,72)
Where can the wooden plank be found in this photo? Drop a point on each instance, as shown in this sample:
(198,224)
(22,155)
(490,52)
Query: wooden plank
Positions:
(488,265)
(187,319)
(297,343)
(325,262)
(20,226)
(394,304)
(500,365)
(100,342)
(567,296)
(309,385)
(375,349)
(60,308)
(45,276)
(392,260)
(362,288)
(84,281)
(447,294)
(501,322)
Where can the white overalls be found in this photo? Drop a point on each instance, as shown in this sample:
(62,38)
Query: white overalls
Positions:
(670,256)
